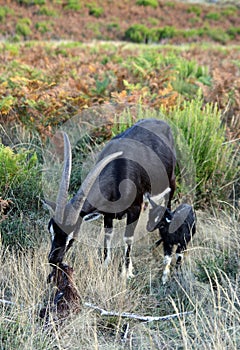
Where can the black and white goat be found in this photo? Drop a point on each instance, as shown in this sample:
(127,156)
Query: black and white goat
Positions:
(176,228)
(144,163)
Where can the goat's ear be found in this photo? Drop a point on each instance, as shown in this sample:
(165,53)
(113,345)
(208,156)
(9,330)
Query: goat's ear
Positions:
(51,206)
(151,202)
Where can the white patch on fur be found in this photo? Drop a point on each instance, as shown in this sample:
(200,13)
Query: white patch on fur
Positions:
(156,219)
(69,237)
(108,246)
(91,217)
(51,230)
(168,220)
(166,272)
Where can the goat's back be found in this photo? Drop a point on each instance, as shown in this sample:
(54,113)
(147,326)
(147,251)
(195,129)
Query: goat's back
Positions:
(147,165)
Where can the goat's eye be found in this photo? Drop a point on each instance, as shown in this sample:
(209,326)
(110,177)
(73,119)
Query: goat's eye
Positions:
(156,219)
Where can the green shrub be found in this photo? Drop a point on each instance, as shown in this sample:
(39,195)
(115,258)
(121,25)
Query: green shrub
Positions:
(23,27)
(152,3)
(170,4)
(20,182)
(73,5)
(195,9)
(42,27)
(94,10)
(205,134)
(137,33)
(4,10)
(233,32)
(217,34)
(165,32)
(46,11)
(31,2)
(229,11)
(215,16)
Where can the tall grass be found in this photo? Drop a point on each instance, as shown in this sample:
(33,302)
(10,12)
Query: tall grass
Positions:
(215,303)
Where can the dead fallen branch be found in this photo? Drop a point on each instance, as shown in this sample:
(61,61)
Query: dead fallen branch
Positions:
(135,316)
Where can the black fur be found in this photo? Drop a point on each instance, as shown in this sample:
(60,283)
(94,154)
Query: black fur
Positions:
(175,228)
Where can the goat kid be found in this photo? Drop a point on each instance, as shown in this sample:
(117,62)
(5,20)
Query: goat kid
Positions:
(176,228)
(138,161)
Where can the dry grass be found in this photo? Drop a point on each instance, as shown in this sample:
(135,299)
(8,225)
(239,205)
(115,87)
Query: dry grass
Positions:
(206,285)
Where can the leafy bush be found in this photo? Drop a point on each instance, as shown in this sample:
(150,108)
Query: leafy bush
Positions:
(42,27)
(23,27)
(152,3)
(73,5)
(233,32)
(218,35)
(165,32)
(137,33)
(31,2)
(214,160)
(47,11)
(213,15)
(94,10)
(19,182)
(195,9)
(4,10)
(229,11)
(15,167)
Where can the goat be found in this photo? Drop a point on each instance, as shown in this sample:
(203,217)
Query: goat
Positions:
(175,228)
(146,165)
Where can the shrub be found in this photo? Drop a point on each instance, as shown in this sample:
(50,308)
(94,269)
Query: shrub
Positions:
(46,11)
(4,10)
(73,5)
(166,32)
(218,35)
(195,9)
(233,32)
(215,16)
(23,27)
(152,3)
(229,11)
(94,10)
(214,160)
(137,33)
(42,27)
(19,182)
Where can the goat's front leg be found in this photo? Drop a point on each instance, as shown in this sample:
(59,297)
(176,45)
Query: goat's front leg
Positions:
(108,227)
(167,262)
(132,220)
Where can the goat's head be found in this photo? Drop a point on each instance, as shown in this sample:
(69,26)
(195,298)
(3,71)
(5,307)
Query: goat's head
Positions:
(159,216)
(66,221)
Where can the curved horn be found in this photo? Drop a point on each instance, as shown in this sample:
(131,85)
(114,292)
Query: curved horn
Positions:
(63,188)
(158,197)
(74,207)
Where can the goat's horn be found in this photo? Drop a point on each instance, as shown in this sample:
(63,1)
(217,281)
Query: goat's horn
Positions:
(63,189)
(75,206)
(158,197)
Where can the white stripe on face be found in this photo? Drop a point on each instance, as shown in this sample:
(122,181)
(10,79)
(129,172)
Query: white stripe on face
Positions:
(51,230)
(69,237)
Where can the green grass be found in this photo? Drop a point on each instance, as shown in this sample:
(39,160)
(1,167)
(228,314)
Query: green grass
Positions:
(151,3)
